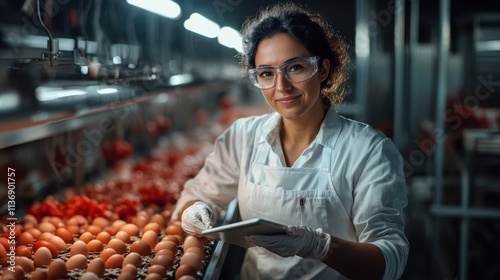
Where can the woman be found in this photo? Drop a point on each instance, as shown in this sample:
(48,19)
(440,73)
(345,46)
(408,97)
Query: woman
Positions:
(338,183)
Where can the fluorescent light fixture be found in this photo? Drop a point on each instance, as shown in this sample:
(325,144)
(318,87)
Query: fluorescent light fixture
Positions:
(40,42)
(166,8)
(180,79)
(107,90)
(46,94)
(230,38)
(491,46)
(202,25)
(9,101)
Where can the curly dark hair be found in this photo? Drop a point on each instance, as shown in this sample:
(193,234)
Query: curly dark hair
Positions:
(313,31)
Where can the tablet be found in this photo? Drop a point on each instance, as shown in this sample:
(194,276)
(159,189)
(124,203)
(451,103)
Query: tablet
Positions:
(235,233)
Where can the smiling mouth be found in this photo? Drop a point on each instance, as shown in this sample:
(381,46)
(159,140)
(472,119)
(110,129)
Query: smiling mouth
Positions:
(288,100)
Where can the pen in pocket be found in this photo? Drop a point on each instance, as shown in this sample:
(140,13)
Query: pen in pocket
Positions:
(301,204)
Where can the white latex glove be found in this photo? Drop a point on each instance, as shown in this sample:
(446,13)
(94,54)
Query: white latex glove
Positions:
(197,218)
(298,240)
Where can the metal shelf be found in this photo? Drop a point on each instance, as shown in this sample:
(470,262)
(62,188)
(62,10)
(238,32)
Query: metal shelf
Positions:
(45,124)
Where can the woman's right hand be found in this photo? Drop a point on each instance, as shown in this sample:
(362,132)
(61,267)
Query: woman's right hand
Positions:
(197,218)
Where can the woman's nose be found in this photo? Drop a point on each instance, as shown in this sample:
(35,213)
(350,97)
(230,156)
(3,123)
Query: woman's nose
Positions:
(282,83)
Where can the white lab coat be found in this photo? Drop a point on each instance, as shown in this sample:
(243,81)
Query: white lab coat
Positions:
(349,182)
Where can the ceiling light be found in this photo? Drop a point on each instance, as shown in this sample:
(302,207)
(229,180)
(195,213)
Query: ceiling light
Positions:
(230,38)
(202,25)
(165,8)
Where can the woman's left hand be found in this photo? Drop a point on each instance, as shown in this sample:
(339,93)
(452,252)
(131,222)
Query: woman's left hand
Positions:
(298,240)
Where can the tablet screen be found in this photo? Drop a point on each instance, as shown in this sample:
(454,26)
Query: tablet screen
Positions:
(235,233)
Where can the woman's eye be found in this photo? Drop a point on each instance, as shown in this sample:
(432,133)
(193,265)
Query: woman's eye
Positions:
(295,67)
(266,74)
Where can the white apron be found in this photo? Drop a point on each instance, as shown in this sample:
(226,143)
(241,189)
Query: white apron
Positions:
(291,196)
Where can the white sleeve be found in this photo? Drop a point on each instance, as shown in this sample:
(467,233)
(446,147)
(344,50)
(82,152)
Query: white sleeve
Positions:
(217,182)
(379,200)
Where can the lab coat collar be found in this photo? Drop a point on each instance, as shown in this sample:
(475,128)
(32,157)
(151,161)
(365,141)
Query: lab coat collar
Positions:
(327,136)
(330,129)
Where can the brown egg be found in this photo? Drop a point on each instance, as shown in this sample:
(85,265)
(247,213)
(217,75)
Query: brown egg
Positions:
(140,247)
(193,241)
(151,238)
(65,235)
(16,274)
(40,274)
(106,253)
(94,229)
(187,277)
(153,276)
(166,252)
(25,238)
(34,232)
(90,276)
(196,251)
(171,238)
(77,261)
(174,229)
(58,242)
(79,248)
(74,229)
(140,221)
(157,218)
(119,246)
(47,227)
(116,225)
(185,270)
(26,263)
(104,237)
(29,225)
(97,266)
(115,261)
(123,236)
(101,222)
(30,218)
(3,253)
(166,214)
(129,269)
(156,268)
(163,260)
(21,251)
(78,220)
(130,229)
(57,270)
(192,259)
(86,237)
(180,238)
(152,226)
(95,246)
(47,244)
(5,243)
(4,262)
(133,258)
(45,236)
(166,245)
(55,220)
(42,257)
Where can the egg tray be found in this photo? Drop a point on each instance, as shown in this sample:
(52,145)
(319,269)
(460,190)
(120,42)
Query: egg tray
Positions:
(113,273)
